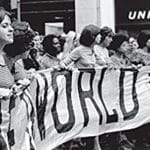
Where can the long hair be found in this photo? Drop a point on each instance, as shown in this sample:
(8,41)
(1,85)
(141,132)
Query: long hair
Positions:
(142,38)
(69,45)
(48,45)
(106,31)
(118,39)
(23,36)
(89,34)
(3,13)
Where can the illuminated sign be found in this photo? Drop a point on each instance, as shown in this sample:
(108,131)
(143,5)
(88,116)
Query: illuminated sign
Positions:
(139,15)
(132,12)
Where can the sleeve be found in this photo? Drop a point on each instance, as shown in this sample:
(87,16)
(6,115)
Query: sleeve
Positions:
(101,59)
(96,50)
(20,72)
(116,61)
(43,63)
(4,92)
(72,57)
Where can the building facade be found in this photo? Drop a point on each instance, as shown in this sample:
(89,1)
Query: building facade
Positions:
(131,15)
(99,12)
(39,12)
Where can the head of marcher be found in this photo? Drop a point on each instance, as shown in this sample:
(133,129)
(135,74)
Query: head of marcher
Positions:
(69,42)
(106,36)
(23,36)
(89,34)
(120,43)
(37,39)
(6,30)
(33,53)
(144,40)
(133,43)
(51,45)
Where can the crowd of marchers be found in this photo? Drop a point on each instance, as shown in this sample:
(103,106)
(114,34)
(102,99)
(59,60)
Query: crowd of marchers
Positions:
(24,52)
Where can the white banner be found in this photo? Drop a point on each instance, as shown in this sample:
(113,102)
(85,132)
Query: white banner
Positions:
(89,103)
(66,105)
(16,122)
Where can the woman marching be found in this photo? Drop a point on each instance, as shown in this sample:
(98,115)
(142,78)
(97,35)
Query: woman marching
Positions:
(6,78)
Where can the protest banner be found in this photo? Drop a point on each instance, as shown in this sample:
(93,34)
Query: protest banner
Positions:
(88,102)
(81,103)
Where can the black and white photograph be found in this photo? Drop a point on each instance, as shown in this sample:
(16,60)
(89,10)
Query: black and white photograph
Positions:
(74,74)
